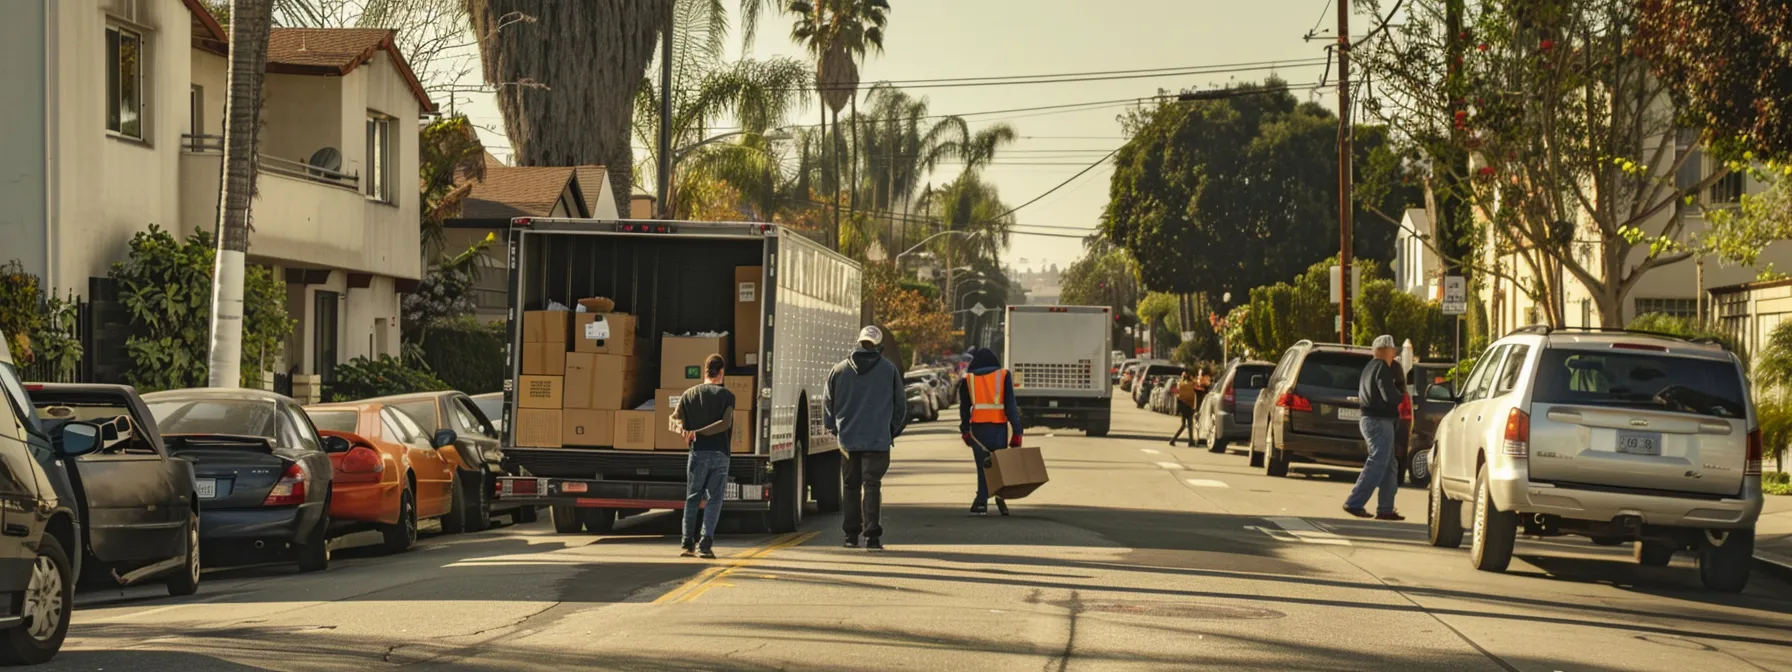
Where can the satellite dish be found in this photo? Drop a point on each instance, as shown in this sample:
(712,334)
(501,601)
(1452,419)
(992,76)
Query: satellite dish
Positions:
(328,158)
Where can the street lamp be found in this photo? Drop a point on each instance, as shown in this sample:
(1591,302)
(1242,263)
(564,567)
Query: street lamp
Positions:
(924,241)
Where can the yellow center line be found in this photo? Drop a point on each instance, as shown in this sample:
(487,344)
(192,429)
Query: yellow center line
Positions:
(698,585)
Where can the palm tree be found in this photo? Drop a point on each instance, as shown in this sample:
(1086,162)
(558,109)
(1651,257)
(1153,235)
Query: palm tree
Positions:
(837,33)
(250,21)
(968,204)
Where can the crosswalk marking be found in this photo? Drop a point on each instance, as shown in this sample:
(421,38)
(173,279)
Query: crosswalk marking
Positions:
(1207,483)
(1302,530)
(1170,465)
(1150,451)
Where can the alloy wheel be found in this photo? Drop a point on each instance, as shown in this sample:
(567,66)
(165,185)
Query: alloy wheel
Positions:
(43,599)
(193,566)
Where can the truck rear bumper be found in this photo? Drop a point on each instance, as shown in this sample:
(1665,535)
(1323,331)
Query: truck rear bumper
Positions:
(1054,411)
(527,491)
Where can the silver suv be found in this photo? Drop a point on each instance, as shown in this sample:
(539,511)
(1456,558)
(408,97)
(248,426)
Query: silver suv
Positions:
(1615,435)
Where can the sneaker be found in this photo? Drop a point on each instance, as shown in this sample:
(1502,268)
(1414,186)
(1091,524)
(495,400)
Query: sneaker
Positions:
(688,553)
(1390,515)
(1002,505)
(873,544)
(852,541)
(1358,512)
(706,554)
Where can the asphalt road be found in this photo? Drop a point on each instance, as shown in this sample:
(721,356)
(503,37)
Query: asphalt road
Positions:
(1137,556)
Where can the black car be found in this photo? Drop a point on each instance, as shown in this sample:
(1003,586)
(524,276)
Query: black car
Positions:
(1308,410)
(40,550)
(1426,413)
(261,472)
(476,441)
(140,511)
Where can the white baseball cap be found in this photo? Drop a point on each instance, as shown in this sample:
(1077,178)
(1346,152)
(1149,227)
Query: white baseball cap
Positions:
(872,335)
(1385,341)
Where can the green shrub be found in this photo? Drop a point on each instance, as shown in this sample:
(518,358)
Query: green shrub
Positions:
(466,354)
(19,317)
(361,378)
(1777,477)
(1686,327)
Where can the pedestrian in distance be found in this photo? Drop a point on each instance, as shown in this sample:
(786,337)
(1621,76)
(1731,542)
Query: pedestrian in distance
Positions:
(705,415)
(866,408)
(1189,393)
(988,419)
(1382,394)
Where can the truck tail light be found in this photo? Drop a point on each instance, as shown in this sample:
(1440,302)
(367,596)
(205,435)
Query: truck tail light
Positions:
(1752,464)
(515,487)
(1518,434)
(290,490)
(1294,402)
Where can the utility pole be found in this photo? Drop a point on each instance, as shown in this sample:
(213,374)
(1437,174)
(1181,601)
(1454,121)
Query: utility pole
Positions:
(1344,171)
(665,153)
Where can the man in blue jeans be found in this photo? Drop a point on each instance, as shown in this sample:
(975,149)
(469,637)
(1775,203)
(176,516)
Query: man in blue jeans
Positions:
(1382,393)
(705,415)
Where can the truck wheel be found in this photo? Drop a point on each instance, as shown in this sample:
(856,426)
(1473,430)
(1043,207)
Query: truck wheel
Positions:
(598,521)
(566,519)
(787,495)
(824,481)
(1724,561)
(1099,426)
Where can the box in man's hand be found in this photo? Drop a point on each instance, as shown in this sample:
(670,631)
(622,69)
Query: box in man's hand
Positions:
(1016,472)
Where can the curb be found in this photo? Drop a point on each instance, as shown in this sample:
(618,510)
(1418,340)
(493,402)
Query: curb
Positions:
(1777,565)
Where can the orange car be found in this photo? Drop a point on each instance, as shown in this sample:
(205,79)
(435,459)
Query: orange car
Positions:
(394,476)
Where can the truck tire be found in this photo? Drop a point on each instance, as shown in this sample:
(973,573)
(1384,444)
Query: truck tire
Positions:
(787,495)
(566,519)
(824,481)
(523,515)
(597,521)
(1099,426)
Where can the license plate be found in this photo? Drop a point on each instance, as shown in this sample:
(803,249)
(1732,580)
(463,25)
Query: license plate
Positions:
(1639,443)
(572,487)
(1351,414)
(206,487)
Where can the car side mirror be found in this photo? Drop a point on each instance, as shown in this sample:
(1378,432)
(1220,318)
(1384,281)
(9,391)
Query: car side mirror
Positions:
(1258,381)
(1440,393)
(79,438)
(336,444)
(445,437)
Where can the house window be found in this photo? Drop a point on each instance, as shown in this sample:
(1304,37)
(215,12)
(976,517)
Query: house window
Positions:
(379,155)
(1671,307)
(124,82)
(1727,190)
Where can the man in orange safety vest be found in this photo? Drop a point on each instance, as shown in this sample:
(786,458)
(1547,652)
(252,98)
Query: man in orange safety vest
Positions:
(988,418)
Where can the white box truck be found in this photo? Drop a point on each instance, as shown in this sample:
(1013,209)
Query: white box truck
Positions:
(1059,356)
(678,278)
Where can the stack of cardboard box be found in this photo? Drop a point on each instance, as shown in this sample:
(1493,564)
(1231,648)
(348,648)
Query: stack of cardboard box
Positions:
(579,369)
(541,387)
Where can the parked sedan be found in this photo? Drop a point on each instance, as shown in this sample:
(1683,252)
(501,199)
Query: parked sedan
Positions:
(1225,416)
(477,458)
(407,477)
(491,405)
(140,511)
(262,476)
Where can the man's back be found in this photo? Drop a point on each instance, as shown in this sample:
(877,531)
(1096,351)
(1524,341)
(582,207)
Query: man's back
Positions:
(702,406)
(865,402)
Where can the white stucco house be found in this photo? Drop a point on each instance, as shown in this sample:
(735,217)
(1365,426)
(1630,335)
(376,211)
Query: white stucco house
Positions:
(1417,269)
(118,111)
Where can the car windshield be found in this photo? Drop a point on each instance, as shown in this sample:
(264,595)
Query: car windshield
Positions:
(1641,380)
(493,408)
(239,417)
(333,421)
(1336,370)
(1246,373)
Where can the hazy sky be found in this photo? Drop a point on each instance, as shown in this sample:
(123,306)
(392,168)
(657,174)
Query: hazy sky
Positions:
(933,39)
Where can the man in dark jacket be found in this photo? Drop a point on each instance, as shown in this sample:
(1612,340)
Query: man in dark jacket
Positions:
(1382,393)
(865,407)
(988,419)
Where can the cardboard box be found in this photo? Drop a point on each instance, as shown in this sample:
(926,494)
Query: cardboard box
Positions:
(588,428)
(742,441)
(664,401)
(600,382)
(546,326)
(543,392)
(1016,472)
(544,359)
(749,297)
(681,359)
(634,430)
(604,333)
(538,428)
(744,387)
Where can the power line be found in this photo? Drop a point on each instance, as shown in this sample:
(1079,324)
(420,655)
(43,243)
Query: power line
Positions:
(1063,78)
(1215,66)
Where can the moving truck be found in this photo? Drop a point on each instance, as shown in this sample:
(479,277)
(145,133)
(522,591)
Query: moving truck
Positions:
(1059,356)
(592,441)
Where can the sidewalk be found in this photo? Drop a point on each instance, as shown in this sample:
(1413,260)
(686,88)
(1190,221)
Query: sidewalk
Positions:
(1773,537)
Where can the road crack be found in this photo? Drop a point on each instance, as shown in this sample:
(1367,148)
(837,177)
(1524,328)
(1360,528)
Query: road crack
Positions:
(1074,611)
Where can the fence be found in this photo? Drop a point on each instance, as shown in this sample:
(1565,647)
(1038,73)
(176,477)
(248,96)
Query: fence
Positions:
(102,325)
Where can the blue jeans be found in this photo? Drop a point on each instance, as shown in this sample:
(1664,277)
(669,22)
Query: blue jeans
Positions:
(990,437)
(706,478)
(1379,469)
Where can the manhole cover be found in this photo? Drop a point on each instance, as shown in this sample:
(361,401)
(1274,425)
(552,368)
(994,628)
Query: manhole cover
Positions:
(1211,612)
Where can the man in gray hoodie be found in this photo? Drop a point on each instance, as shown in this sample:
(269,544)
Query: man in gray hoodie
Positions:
(866,408)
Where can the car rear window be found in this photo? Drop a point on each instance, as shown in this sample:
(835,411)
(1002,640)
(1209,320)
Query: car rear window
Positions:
(215,416)
(424,412)
(1245,373)
(1640,380)
(333,421)
(1336,370)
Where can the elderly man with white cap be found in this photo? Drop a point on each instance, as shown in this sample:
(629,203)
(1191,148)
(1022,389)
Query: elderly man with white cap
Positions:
(1381,392)
(866,407)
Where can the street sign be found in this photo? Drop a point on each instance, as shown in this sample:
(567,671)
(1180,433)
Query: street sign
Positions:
(1455,295)
(1356,282)
(978,309)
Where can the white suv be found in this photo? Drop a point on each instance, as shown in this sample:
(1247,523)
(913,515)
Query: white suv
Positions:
(1618,436)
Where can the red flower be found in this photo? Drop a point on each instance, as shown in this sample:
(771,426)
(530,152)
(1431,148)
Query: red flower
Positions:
(1484,46)
(1547,45)
(1486,171)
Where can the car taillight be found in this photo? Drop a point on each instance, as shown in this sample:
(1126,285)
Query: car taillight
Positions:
(1229,400)
(1518,434)
(291,488)
(362,460)
(1294,402)
(1406,407)
(1752,464)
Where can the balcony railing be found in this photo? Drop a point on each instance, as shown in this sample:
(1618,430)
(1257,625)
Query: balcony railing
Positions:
(214,144)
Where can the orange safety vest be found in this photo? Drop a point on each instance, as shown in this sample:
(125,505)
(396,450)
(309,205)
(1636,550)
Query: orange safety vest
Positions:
(987,405)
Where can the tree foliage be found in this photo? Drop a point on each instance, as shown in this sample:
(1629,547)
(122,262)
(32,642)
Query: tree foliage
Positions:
(362,378)
(916,319)
(19,317)
(445,294)
(1685,327)
(1233,192)
(1381,308)
(451,161)
(1730,67)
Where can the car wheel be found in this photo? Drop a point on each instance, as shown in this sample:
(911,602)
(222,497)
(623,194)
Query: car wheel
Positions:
(1653,553)
(479,497)
(1256,457)
(186,581)
(314,552)
(566,519)
(1495,530)
(455,521)
(400,537)
(44,605)
(598,521)
(1443,517)
(1724,561)
(1275,462)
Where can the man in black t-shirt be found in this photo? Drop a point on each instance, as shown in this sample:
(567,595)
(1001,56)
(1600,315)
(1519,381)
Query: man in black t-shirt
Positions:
(705,415)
